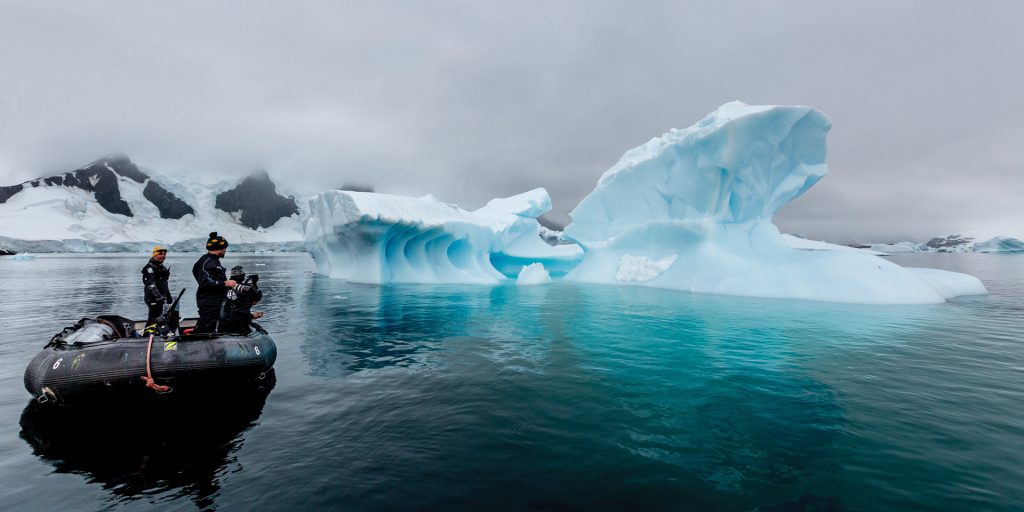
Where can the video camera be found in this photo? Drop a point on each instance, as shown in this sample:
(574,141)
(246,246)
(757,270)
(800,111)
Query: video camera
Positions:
(257,294)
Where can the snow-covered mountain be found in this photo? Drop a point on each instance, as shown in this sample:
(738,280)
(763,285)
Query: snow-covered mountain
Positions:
(111,205)
(979,241)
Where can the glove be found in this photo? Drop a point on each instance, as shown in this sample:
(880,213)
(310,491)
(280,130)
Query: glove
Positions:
(164,308)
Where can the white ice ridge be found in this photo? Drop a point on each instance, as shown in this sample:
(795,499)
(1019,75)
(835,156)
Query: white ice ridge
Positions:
(380,238)
(692,210)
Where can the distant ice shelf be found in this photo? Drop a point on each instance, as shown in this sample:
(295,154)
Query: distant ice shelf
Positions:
(958,244)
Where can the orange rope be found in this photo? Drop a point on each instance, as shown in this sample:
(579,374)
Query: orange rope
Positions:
(148,377)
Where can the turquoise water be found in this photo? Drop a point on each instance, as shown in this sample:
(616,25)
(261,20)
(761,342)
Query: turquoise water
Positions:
(560,397)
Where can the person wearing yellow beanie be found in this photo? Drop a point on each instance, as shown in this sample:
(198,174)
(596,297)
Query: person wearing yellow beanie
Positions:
(155,277)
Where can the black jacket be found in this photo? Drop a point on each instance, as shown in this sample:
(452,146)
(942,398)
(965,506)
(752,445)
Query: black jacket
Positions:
(154,277)
(210,276)
(236,313)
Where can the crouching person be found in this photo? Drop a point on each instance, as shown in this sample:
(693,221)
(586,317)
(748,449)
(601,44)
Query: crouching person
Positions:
(236,314)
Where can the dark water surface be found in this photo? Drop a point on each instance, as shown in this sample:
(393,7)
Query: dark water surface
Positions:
(560,397)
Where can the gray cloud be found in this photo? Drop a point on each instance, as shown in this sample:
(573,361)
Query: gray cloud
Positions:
(471,101)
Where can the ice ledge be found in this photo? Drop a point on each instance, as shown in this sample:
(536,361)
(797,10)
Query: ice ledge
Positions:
(380,238)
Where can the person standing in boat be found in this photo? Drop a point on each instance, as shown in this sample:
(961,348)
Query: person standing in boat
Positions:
(154,278)
(213,284)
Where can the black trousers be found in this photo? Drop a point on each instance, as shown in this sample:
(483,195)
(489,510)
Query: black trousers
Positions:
(209,317)
(155,310)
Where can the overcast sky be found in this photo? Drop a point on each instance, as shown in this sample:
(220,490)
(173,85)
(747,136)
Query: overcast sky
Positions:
(472,100)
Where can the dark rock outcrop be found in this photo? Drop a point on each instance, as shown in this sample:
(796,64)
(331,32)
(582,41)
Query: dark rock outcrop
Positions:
(7,192)
(356,187)
(125,167)
(102,182)
(169,205)
(947,243)
(257,202)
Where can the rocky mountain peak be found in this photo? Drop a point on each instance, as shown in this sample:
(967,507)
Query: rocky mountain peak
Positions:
(948,242)
(256,203)
(119,164)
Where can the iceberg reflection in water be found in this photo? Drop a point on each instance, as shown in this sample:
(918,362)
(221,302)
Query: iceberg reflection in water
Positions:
(565,396)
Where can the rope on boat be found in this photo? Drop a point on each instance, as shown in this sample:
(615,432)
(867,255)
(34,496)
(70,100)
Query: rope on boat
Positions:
(148,377)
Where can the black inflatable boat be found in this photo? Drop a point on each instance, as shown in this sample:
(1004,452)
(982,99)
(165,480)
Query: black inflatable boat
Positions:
(105,358)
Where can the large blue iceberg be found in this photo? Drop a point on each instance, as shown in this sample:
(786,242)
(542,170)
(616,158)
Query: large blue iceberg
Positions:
(692,210)
(380,238)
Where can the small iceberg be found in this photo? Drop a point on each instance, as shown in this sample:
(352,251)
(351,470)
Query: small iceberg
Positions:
(1000,244)
(533,274)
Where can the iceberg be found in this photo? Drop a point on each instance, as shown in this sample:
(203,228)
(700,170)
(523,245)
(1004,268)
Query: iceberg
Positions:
(1000,244)
(692,210)
(380,238)
(533,274)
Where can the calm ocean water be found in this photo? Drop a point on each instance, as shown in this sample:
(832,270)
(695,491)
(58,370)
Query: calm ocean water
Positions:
(561,397)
